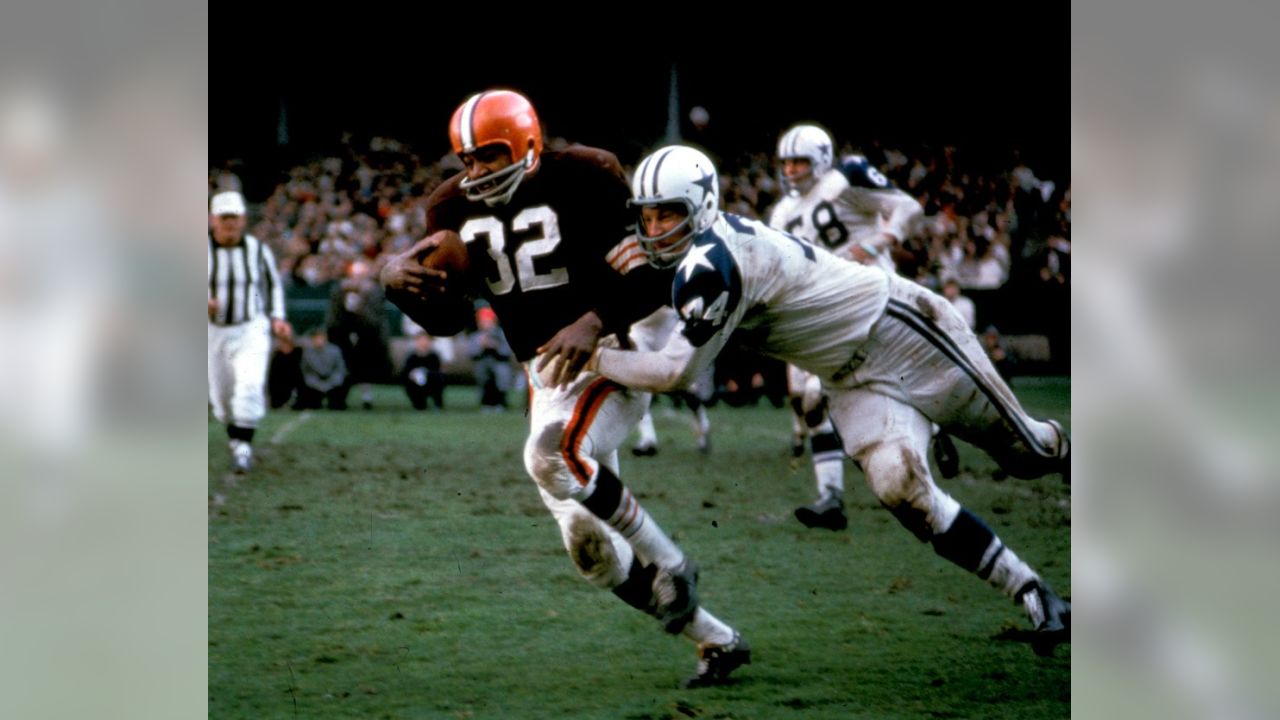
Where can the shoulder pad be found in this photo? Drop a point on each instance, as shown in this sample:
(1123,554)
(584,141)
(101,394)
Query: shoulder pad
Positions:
(707,288)
(589,159)
(863,174)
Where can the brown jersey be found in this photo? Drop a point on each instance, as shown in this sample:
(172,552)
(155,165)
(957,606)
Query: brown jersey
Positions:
(540,260)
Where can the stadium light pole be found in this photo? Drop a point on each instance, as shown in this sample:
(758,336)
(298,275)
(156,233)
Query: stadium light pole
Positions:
(673,108)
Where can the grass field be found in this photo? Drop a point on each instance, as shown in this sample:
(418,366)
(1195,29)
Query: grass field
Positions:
(394,564)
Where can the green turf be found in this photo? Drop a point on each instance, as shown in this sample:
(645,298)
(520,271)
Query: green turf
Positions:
(394,564)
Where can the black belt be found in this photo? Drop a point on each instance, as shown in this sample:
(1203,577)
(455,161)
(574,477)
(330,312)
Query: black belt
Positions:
(234,324)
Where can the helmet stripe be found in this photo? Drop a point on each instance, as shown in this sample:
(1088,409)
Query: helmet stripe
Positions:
(468,117)
(657,168)
(644,168)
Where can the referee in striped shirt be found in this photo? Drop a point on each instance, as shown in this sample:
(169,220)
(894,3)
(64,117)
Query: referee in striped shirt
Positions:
(246,307)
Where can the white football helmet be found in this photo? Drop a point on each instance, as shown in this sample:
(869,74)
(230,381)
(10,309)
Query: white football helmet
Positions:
(676,174)
(811,143)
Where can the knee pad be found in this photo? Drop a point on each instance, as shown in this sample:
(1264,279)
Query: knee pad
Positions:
(594,554)
(544,461)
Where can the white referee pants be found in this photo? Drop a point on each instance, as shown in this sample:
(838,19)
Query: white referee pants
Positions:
(238,358)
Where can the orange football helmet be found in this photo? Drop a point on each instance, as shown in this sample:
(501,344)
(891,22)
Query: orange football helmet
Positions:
(499,117)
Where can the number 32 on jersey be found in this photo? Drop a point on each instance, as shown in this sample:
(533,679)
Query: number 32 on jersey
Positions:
(537,230)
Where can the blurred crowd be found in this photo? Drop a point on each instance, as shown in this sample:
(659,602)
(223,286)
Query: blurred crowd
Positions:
(987,220)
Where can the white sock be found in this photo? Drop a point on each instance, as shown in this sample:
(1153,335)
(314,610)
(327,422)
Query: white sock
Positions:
(828,460)
(702,424)
(707,629)
(613,502)
(648,435)
(1010,573)
(830,476)
(648,540)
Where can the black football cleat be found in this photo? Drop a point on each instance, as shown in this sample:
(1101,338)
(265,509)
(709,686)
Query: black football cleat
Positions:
(826,513)
(715,662)
(1049,613)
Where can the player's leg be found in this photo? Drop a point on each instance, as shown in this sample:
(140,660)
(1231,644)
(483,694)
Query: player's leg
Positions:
(569,427)
(828,461)
(700,392)
(721,649)
(951,379)
(828,470)
(605,559)
(647,442)
(796,379)
(945,453)
(701,423)
(611,539)
(651,333)
(889,439)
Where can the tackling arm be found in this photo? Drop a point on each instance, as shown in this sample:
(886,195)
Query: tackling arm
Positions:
(901,214)
(673,367)
(898,212)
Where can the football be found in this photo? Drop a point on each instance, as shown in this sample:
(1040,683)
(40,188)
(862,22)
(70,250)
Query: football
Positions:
(451,312)
(448,253)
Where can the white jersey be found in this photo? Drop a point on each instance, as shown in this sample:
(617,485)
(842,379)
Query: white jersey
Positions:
(781,296)
(851,204)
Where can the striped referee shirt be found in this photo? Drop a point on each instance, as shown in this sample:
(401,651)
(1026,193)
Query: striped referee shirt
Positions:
(245,281)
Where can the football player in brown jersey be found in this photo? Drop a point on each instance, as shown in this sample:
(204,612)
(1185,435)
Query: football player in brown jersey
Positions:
(547,237)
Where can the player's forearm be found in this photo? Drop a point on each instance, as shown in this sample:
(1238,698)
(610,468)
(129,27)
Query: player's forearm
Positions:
(903,214)
(643,370)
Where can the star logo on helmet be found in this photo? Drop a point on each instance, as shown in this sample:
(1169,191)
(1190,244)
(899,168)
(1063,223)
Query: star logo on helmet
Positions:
(696,258)
(705,182)
(825,150)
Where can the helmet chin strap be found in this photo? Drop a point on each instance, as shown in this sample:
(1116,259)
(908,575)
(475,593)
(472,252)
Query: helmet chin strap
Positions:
(506,181)
(671,255)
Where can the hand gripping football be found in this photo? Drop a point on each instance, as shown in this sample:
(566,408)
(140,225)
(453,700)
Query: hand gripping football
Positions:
(447,252)
(447,313)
